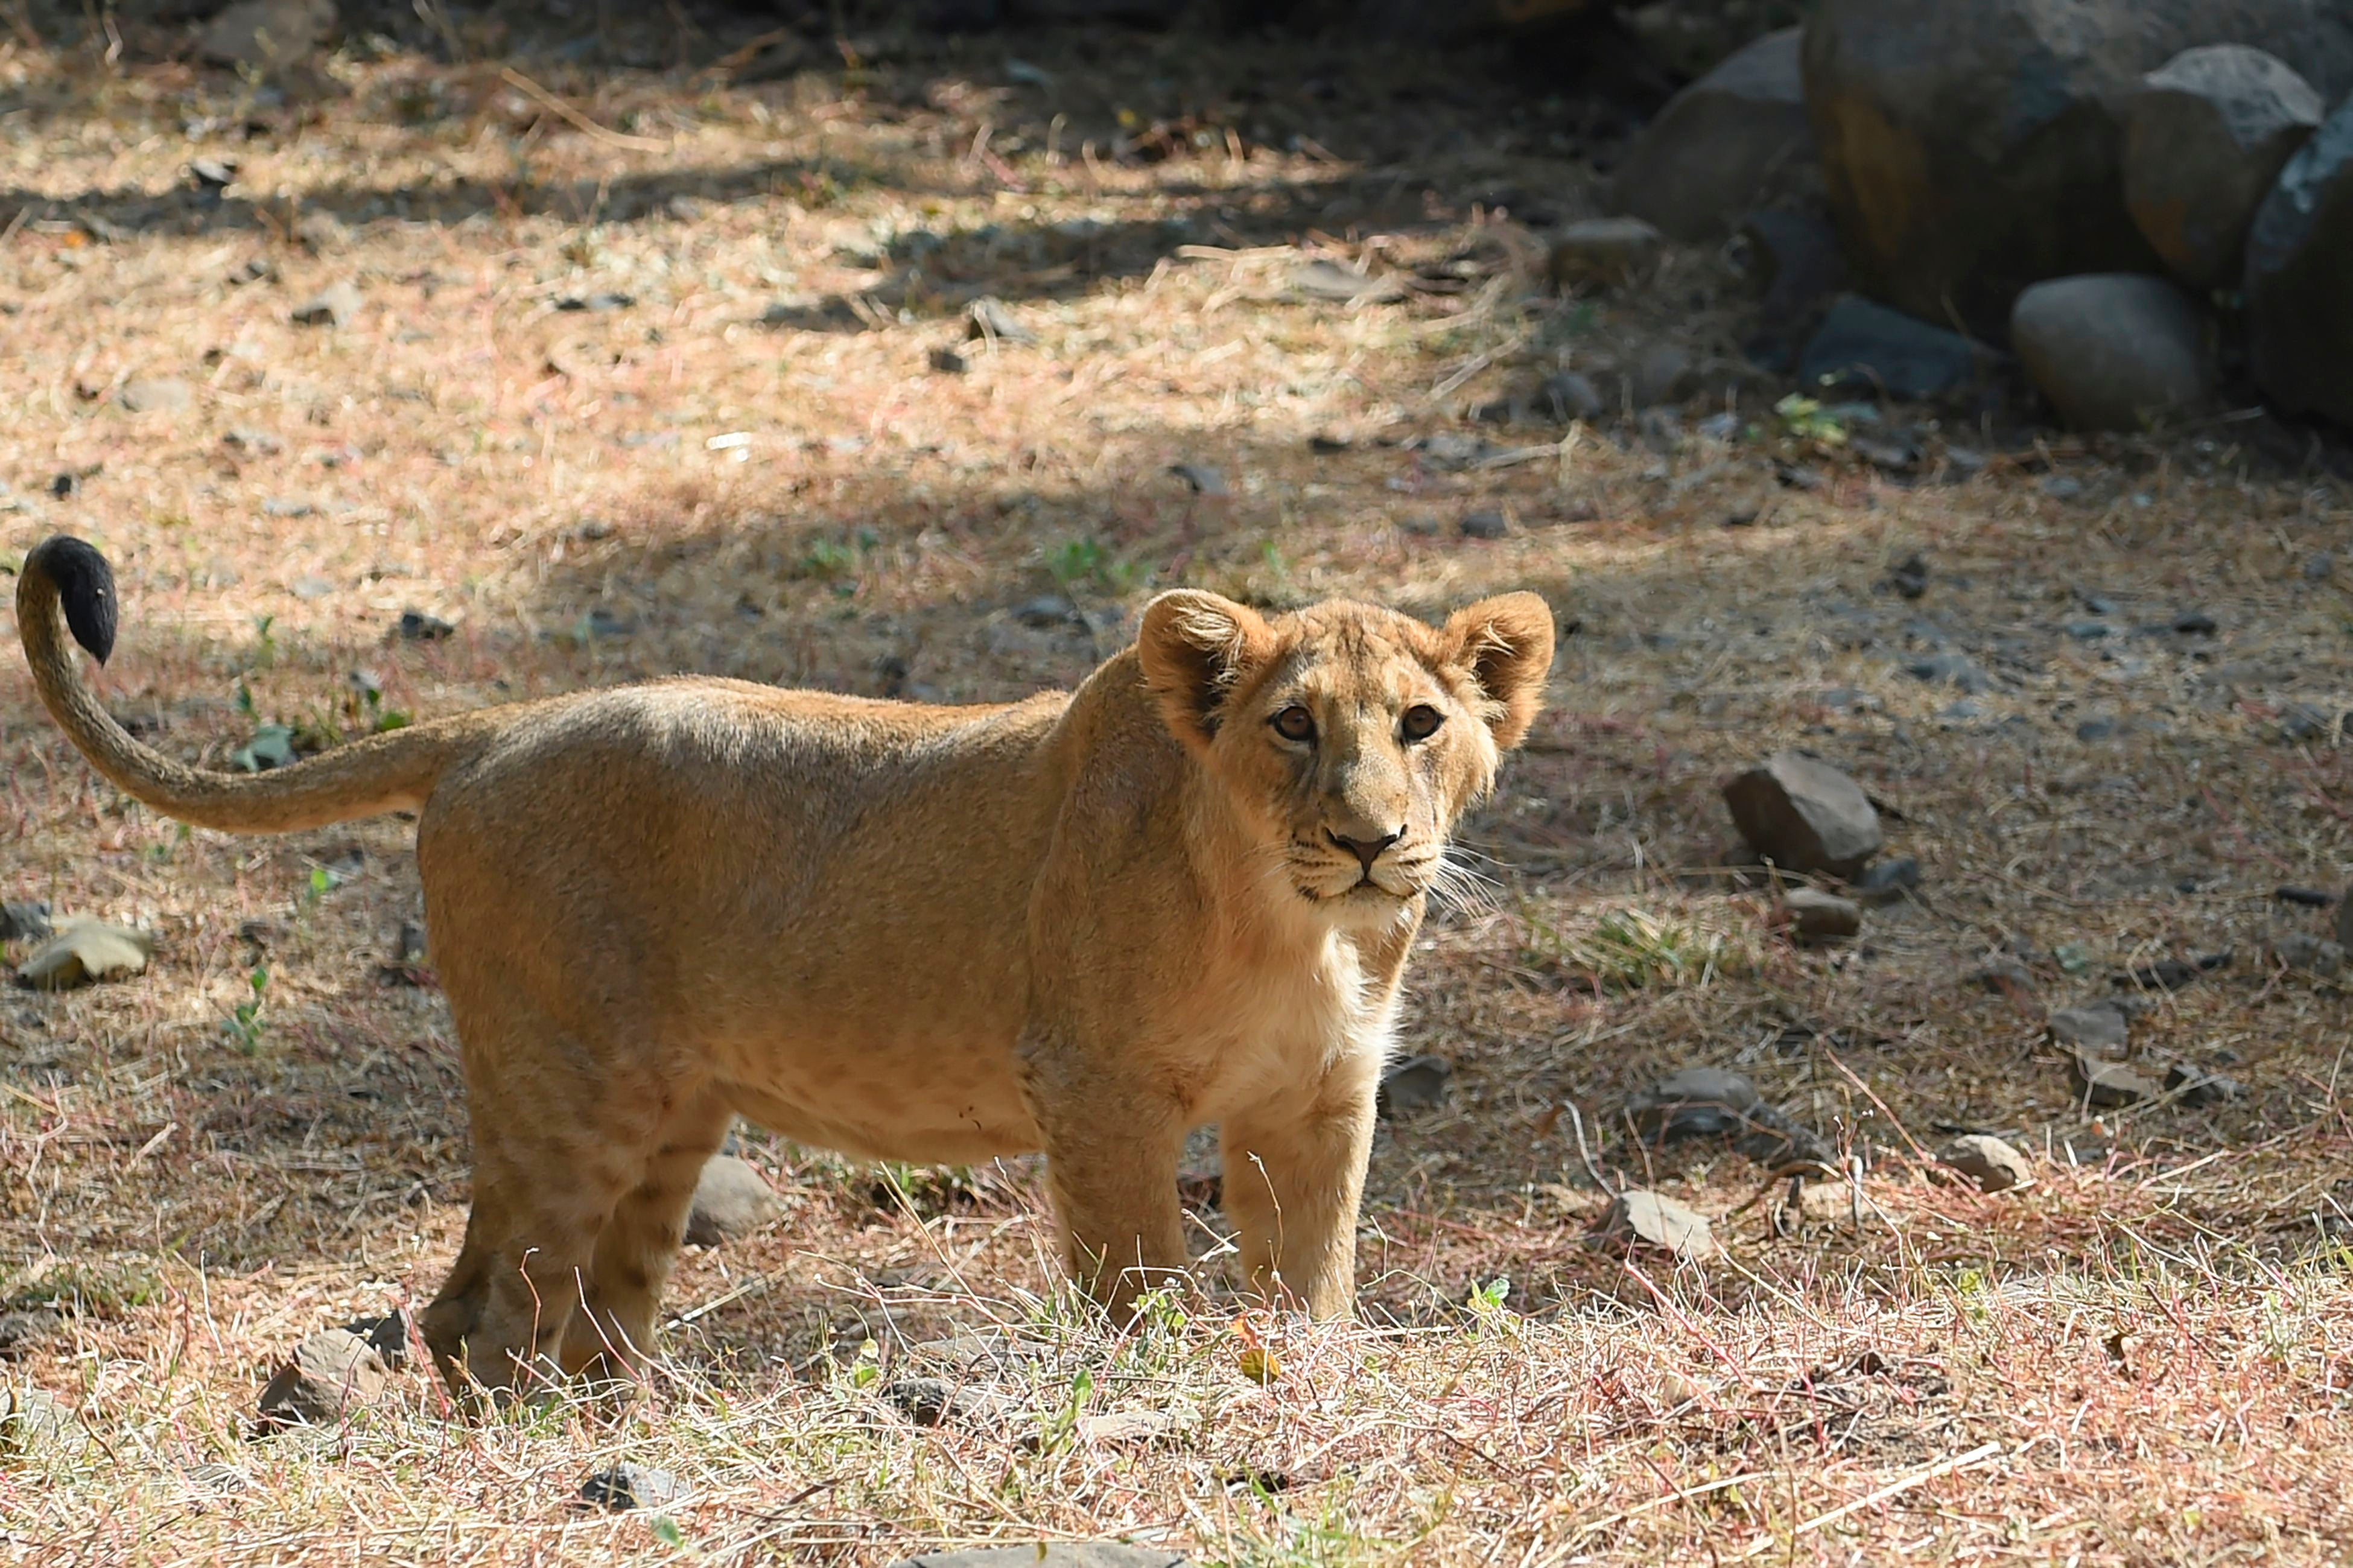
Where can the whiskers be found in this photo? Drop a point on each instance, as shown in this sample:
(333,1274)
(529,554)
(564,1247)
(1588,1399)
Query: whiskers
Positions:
(1459,888)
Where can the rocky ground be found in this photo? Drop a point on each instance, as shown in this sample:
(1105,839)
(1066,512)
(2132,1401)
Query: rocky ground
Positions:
(913,364)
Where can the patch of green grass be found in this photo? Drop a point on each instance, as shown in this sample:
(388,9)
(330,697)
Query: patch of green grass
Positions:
(1633,950)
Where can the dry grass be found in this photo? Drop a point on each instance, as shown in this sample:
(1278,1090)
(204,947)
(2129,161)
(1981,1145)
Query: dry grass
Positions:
(753,468)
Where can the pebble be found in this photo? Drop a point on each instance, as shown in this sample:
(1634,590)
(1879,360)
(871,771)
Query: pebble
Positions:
(2315,955)
(2193,1087)
(2111,1085)
(1867,349)
(1485,525)
(24,920)
(2096,1024)
(1888,881)
(934,1402)
(1804,815)
(947,361)
(1417,1083)
(2310,898)
(1567,395)
(2003,974)
(164,394)
(627,1487)
(1711,1102)
(416,626)
(330,1374)
(732,1201)
(1606,251)
(1993,1164)
(333,306)
(1818,917)
(1201,478)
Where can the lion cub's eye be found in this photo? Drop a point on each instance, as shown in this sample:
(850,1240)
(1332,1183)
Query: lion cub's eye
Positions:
(1295,723)
(1420,721)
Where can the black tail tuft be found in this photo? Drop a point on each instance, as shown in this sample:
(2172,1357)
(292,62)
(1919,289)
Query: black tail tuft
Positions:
(85,588)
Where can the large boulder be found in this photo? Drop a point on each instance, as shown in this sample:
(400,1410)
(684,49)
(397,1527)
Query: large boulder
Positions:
(2299,278)
(2205,135)
(2113,351)
(1733,141)
(1969,150)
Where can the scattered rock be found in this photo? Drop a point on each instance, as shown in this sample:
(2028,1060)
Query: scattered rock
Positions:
(31,1420)
(2194,623)
(1968,151)
(2171,973)
(1734,140)
(212,176)
(1888,881)
(81,951)
(333,306)
(1051,1554)
(1417,1083)
(1201,478)
(2113,351)
(1804,815)
(732,1201)
(1818,917)
(321,233)
(597,304)
(988,319)
(1793,256)
(1126,1428)
(1991,1163)
(947,361)
(24,920)
(1485,525)
(21,1330)
(1605,252)
(1866,348)
(2097,1026)
(266,34)
(162,395)
(2109,1084)
(254,443)
(387,1336)
(213,1480)
(1568,396)
(2205,136)
(1046,611)
(2193,1087)
(627,1487)
(1708,1103)
(935,1402)
(2299,278)
(1637,1218)
(330,1375)
(2319,566)
(1664,374)
(2001,972)
(2310,898)
(991,1355)
(416,626)
(1909,576)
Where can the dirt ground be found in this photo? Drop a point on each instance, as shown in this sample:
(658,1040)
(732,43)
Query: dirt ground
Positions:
(664,365)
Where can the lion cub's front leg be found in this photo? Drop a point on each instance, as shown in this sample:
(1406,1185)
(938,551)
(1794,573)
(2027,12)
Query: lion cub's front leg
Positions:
(1112,1148)
(1294,1174)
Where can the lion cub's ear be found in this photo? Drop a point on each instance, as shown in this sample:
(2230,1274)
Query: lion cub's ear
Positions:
(1506,644)
(1196,648)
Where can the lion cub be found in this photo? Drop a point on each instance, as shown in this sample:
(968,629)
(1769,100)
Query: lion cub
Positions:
(1086,923)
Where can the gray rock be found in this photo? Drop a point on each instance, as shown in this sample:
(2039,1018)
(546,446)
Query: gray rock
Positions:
(32,1421)
(1804,815)
(387,1336)
(2205,136)
(1708,1103)
(1052,1554)
(1604,251)
(330,1375)
(2095,1025)
(1485,525)
(732,1201)
(1816,917)
(1568,396)
(2299,278)
(1636,1219)
(2195,1087)
(162,395)
(2315,955)
(266,34)
(24,920)
(1734,140)
(2110,1085)
(627,1487)
(333,306)
(1417,1083)
(1664,374)
(416,626)
(1792,256)
(21,1330)
(1970,150)
(2003,974)
(1201,478)
(1863,347)
(988,319)
(935,1401)
(2344,921)
(1888,881)
(1992,1165)
(2113,351)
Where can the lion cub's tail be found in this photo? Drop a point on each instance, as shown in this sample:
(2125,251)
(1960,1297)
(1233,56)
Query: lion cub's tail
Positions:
(392,772)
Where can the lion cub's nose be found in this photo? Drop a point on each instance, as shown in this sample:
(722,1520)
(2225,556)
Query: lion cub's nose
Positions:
(1366,850)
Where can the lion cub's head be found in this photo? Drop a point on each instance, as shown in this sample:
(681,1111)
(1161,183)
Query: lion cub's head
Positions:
(1350,739)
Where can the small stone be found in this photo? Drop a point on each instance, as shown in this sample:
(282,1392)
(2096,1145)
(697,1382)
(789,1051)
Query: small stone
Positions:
(2098,1025)
(387,1336)
(81,951)
(1637,1218)
(1664,374)
(732,1200)
(2194,623)
(162,395)
(1201,478)
(2113,351)
(1126,1428)
(1417,1083)
(266,34)
(24,920)
(255,443)
(1568,396)
(2194,1087)
(992,1354)
(627,1487)
(1909,576)
(1708,1103)
(1605,251)
(2303,721)
(2003,974)
(21,1330)
(2310,898)
(333,306)
(1804,815)
(1485,525)
(408,943)
(212,176)
(934,1402)
(31,1420)
(330,1375)
(416,626)
(2315,955)
(597,304)
(1991,1163)
(320,233)
(1888,881)
(1732,142)
(947,361)
(1867,349)
(2319,566)
(215,1480)
(989,320)
(1818,917)
(2110,1085)
(2094,730)
(2205,137)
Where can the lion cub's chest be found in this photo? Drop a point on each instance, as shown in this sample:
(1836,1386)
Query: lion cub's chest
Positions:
(1272,1028)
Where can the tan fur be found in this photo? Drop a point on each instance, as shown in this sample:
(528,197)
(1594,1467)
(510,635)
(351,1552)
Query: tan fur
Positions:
(1085,923)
